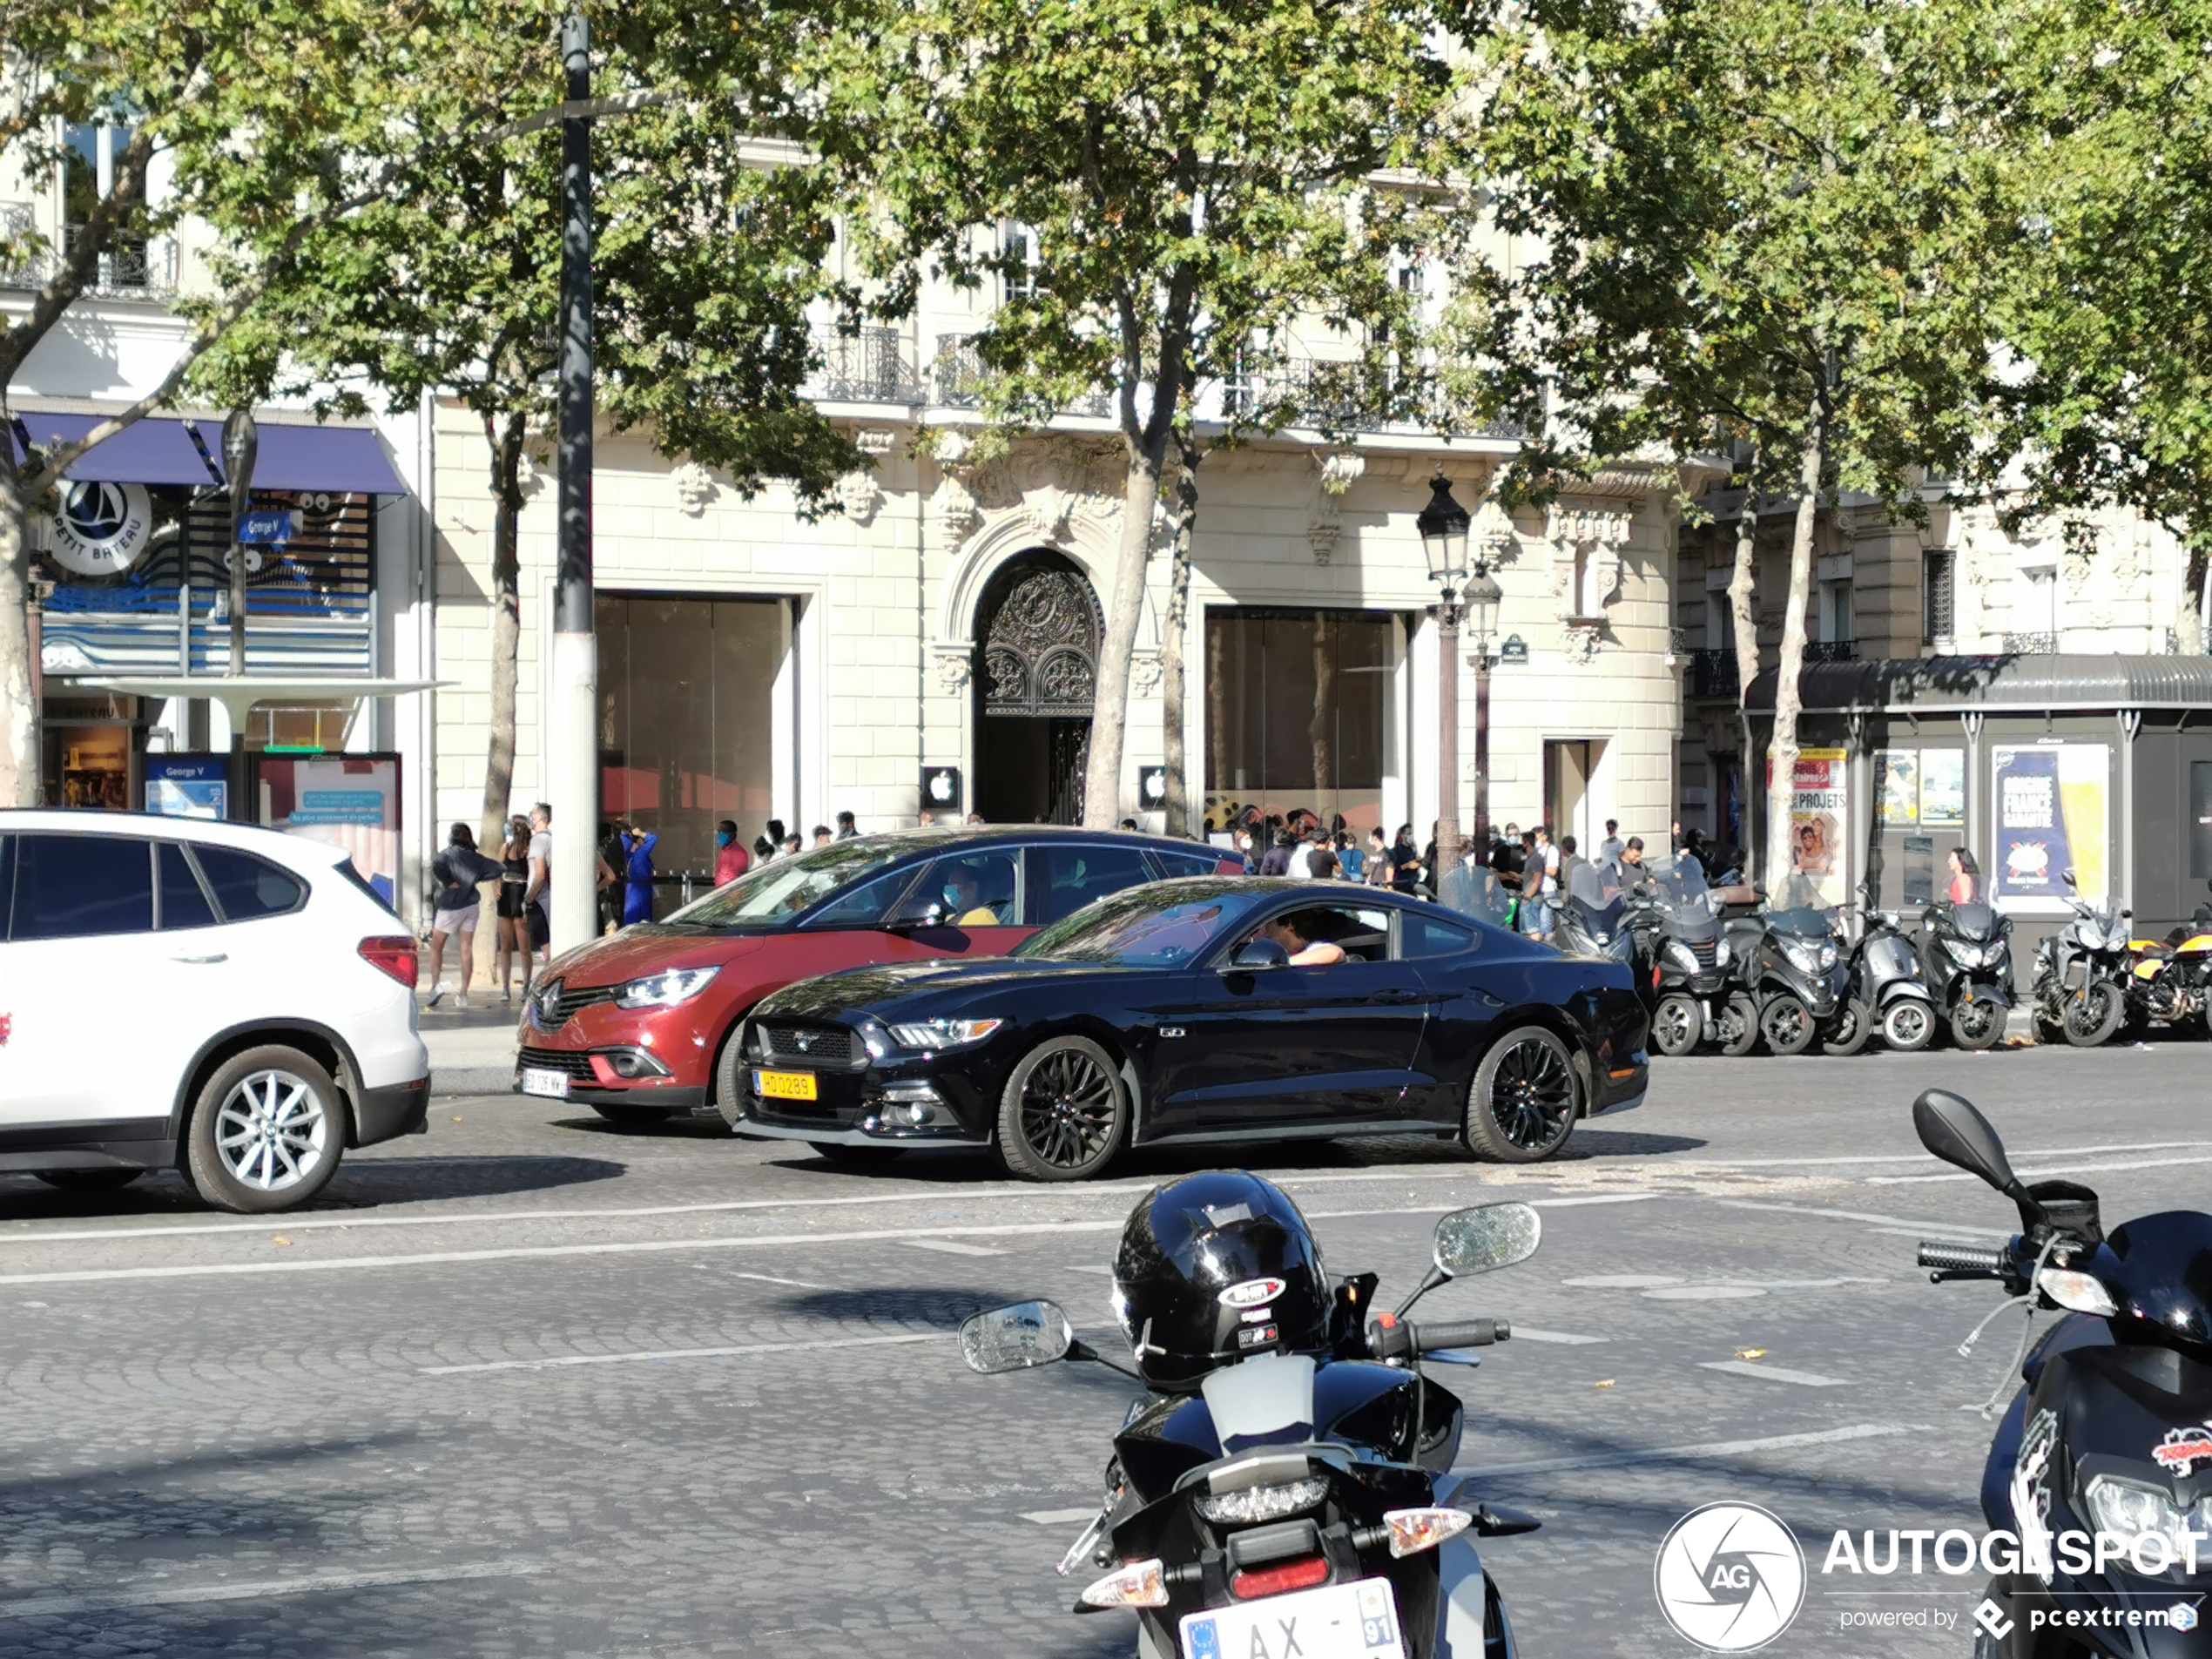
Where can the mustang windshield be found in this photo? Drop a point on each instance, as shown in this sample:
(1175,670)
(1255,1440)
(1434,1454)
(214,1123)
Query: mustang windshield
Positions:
(1476,892)
(1143,930)
(783,887)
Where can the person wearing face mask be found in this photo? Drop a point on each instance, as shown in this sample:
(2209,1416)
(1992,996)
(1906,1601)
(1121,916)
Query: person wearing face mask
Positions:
(964,905)
(731,860)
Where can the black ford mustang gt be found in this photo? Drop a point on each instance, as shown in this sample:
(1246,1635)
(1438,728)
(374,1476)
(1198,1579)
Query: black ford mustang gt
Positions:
(1208,1009)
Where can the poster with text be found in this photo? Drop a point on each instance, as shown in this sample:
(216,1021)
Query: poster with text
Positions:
(349,801)
(1820,821)
(1943,789)
(1897,784)
(2052,805)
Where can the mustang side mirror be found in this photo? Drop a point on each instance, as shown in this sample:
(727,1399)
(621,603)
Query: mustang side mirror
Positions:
(918,913)
(1016,1338)
(1261,953)
(1489,1236)
(1951,1128)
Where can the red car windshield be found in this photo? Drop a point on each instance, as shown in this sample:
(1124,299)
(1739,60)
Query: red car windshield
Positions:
(786,887)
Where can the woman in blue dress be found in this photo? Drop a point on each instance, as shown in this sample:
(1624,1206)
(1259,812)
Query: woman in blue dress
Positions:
(637,889)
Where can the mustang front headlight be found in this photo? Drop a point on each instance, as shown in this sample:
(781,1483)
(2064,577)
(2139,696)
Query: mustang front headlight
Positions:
(666,989)
(2130,1512)
(933,1034)
(1262,1503)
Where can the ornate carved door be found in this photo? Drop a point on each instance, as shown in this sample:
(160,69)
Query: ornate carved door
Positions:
(1038,632)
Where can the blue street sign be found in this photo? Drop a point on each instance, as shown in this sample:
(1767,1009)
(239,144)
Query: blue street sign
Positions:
(270,527)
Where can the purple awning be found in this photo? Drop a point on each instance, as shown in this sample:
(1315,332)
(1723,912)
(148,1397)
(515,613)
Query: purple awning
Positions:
(160,450)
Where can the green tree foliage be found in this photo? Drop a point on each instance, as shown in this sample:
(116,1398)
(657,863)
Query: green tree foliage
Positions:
(1761,225)
(1188,180)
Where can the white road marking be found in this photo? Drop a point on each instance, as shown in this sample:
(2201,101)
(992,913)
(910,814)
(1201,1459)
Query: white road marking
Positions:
(316,1584)
(769,1279)
(646,1354)
(1595,1197)
(1061,1517)
(1772,1373)
(1523,1333)
(954,1247)
(1707,1449)
(1622,1281)
(1922,1157)
(1861,1215)
(1704,1293)
(2037,1174)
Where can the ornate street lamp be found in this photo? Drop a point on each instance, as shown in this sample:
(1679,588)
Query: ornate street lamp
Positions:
(1444,525)
(1483,597)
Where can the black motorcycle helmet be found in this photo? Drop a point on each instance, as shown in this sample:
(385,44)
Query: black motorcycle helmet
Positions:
(1215,1268)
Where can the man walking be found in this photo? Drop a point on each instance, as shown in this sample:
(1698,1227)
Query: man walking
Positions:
(846,830)
(1540,883)
(534,895)
(1609,849)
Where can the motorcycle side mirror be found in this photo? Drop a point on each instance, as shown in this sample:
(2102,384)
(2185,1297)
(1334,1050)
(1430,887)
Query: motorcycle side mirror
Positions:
(1489,1236)
(1260,952)
(1015,1337)
(1950,1127)
(2067,876)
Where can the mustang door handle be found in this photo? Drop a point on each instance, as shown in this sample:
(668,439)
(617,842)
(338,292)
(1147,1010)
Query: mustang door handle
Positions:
(219,956)
(1400,996)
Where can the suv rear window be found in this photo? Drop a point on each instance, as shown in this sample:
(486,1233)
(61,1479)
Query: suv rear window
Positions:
(246,886)
(74,887)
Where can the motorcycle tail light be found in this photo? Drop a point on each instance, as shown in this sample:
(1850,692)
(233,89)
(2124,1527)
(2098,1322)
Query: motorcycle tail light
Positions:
(1253,1504)
(1138,1584)
(1414,1530)
(1279,1580)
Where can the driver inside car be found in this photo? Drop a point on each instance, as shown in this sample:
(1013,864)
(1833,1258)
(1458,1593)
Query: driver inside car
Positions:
(1287,931)
(964,900)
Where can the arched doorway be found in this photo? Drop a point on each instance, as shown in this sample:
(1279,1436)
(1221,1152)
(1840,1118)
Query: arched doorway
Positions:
(1037,633)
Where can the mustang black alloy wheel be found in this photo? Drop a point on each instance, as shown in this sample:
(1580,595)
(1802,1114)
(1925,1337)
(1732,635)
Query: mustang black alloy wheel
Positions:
(1524,1099)
(1063,1113)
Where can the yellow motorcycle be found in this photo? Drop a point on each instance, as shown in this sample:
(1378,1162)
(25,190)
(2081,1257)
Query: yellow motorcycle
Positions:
(2169,981)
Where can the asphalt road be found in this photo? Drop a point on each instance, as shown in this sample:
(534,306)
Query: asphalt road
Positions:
(531,1386)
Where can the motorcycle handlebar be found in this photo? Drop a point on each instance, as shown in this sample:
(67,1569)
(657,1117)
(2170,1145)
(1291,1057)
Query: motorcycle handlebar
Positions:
(1962,1258)
(1398,1339)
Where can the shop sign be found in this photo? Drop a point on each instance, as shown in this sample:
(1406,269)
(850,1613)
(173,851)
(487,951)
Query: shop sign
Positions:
(269,527)
(180,788)
(100,528)
(2052,814)
(941,788)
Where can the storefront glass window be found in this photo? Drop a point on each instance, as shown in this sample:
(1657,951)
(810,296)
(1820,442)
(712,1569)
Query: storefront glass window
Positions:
(1294,714)
(687,699)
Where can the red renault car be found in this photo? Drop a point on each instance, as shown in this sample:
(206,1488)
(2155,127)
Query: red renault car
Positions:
(638,1025)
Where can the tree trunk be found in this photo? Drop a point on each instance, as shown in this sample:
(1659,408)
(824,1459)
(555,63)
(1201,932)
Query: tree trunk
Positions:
(19,712)
(1171,629)
(1740,584)
(504,435)
(1781,791)
(1109,707)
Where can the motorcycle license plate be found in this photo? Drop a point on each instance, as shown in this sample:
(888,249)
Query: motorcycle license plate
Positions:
(1355,1621)
(784,1085)
(553,1085)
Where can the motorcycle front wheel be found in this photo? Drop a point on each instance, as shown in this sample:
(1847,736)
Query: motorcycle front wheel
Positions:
(1977,1025)
(1909,1026)
(1854,1025)
(2094,1016)
(1676,1025)
(1786,1024)
(1739,1024)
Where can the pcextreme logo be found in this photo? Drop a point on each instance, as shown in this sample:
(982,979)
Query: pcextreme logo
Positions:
(1730,1577)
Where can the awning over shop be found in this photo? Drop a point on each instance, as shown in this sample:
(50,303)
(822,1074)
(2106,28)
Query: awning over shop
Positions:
(238,696)
(1951,685)
(160,450)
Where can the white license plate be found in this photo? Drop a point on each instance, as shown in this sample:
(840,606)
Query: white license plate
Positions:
(1355,1621)
(553,1085)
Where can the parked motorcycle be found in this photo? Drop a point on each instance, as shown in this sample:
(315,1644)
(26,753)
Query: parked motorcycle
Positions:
(1682,960)
(1793,969)
(1292,1483)
(2171,982)
(2082,972)
(1885,991)
(2106,1444)
(1590,922)
(1966,953)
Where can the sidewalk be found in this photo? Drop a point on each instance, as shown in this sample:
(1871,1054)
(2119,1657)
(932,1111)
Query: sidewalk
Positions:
(471,1053)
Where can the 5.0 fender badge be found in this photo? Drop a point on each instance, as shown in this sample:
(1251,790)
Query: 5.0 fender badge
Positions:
(1252,1293)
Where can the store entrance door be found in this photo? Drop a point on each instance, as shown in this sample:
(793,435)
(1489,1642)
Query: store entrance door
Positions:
(1037,629)
(1568,766)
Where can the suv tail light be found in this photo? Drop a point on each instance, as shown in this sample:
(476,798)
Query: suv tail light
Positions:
(394,955)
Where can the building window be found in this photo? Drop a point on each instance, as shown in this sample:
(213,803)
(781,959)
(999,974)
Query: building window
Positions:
(1836,613)
(1020,257)
(89,155)
(1294,714)
(1936,573)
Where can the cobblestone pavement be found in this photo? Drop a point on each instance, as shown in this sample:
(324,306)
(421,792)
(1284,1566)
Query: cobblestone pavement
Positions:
(531,1386)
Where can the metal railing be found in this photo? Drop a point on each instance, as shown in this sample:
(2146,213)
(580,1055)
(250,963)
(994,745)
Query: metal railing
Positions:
(18,220)
(870,366)
(1832,651)
(130,265)
(1712,673)
(2031,645)
(958,376)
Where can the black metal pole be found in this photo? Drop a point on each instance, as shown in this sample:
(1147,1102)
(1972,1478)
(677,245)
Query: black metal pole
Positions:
(241,445)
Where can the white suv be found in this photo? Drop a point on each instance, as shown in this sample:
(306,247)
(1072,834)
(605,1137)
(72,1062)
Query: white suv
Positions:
(215,998)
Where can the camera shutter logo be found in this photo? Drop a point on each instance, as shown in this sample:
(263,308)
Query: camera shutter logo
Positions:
(100,528)
(1730,1577)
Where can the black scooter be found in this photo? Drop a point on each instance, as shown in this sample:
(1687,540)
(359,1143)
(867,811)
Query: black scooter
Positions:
(2101,1473)
(1682,960)
(2081,974)
(1966,953)
(1793,969)
(1296,1492)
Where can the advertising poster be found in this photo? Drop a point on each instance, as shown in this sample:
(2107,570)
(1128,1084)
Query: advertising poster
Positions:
(1897,784)
(349,801)
(1943,788)
(2051,817)
(178,787)
(1820,821)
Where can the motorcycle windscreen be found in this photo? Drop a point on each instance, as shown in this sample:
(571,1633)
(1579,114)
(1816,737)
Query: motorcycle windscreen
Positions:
(1797,908)
(1594,890)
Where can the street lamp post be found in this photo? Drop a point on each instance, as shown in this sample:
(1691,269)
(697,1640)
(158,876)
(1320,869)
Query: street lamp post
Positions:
(241,444)
(1443,525)
(1483,596)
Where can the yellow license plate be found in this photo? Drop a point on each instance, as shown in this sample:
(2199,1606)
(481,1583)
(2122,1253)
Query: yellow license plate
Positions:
(784,1085)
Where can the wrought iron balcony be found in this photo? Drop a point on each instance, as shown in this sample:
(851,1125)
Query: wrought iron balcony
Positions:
(1712,673)
(2031,645)
(130,266)
(1832,651)
(959,375)
(27,270)
(871,365)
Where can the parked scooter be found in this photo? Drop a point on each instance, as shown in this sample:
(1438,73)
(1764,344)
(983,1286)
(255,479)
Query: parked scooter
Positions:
(2100,1467)
(2171,982)
(1885,991)
(1794,973)
(2082,974)
(1293,1478)
(1590,921)
(1967,952)
(1681,959)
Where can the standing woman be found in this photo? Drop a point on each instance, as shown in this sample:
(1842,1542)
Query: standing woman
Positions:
(1965,877)
(637,890)
(514,878)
